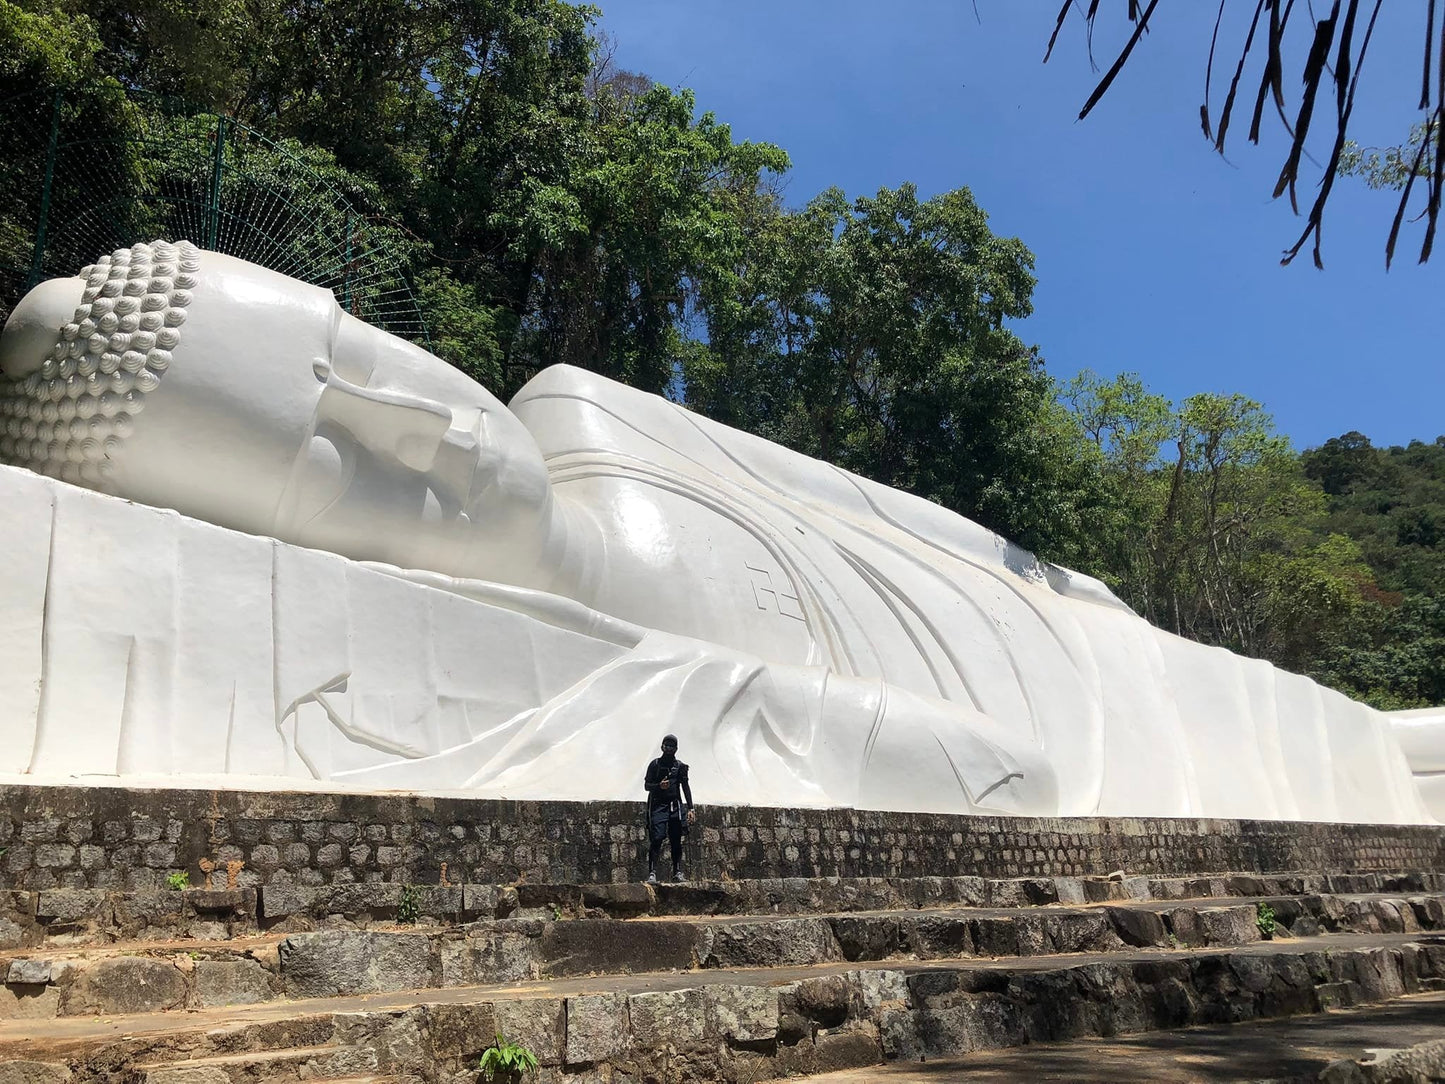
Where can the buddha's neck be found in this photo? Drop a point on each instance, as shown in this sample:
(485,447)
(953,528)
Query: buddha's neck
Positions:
(567,557)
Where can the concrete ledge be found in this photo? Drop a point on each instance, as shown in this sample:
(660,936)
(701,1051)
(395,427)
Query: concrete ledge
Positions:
(127,838)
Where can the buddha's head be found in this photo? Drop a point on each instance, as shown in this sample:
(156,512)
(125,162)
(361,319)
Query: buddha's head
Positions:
(192,380)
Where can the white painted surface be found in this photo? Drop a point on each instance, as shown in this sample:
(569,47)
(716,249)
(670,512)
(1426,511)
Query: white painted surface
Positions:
(584,572)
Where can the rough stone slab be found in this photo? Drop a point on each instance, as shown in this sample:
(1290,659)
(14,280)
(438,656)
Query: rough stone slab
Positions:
(580,947)
(667,1018)
(1338,995)
(596,1028)
(28,972)
(12,935)
(69,904)
(338,962)
(852,1049)
(148,908)
(768,944)
(995,936)
(618,899)
(461,1031)
(355,899)
(539,1024)
(440,901)
(933,937)
(181,1074)
(1423,1061)
(869,937)
(879,986)
(544,896)
(1077,931)
(125,984)
(232,982)
(741,1013)
(1229,925)
(479,899)
(238,901)
(34,1072)
(505,952)
(281,900)
(1138,927)
(1069,889)
(826,1002)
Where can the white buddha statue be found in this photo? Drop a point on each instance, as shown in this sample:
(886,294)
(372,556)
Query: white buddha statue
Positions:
(823,638)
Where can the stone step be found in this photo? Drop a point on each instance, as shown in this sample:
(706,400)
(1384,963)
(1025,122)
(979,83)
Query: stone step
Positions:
(1400,1041)
(97,916)
(147,977)
(321,1063)
(762,1023)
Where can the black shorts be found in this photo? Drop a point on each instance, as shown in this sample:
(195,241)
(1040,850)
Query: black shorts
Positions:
(664,821)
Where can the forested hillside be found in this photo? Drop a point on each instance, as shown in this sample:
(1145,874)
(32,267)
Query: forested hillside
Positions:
(551,208)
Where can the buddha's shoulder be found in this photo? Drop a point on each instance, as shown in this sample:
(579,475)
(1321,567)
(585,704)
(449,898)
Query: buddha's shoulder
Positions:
(571,382)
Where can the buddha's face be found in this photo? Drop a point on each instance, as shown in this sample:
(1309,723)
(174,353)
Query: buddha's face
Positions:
(195,381)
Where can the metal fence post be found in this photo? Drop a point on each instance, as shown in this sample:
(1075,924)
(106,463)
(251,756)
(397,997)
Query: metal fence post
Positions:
(37,260)
(346,281)
(213,204)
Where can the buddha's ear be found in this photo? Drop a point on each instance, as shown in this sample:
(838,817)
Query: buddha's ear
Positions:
(397,425)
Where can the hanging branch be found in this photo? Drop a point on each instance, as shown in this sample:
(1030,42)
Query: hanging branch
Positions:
(1333,55)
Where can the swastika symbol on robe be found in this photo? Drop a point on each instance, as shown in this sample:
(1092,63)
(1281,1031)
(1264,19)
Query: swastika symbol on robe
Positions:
(777,599)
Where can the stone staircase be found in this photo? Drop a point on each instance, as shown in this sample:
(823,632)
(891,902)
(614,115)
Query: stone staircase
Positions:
(733,980)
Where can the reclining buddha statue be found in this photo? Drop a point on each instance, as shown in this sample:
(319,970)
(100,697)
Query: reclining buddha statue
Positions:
(517,600)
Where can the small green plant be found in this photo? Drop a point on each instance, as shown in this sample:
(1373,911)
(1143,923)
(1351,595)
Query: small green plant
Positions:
(1264,919)
(556,913)
(506,1062)
(178,881)
(1173,941)
(408,908)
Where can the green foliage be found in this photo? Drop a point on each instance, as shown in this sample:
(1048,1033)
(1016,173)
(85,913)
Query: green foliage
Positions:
(1264,919)
(466,329)
(43,46)
(1328,564)
(1392,167)
(1390,504)
(408,908)
(506,1061)
(178,881)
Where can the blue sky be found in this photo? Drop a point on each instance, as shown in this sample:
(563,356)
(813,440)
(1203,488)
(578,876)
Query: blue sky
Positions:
(1154,255)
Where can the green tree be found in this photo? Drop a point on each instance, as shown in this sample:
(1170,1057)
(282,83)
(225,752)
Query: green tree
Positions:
(644,217)
(873,334)
(1124,426)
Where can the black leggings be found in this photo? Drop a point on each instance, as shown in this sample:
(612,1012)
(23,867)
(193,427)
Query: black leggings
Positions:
(670,830)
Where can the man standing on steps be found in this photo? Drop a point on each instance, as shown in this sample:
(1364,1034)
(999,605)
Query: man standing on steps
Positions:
(669,808)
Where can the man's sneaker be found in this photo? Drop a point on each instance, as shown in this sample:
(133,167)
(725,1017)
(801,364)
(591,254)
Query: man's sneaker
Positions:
(678,876)
(652,876)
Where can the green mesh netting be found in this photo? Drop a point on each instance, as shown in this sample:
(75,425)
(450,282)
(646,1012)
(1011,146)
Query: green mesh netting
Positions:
(92,170)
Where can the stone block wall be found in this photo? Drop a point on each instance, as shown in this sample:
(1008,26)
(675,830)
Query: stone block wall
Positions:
(130,838)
